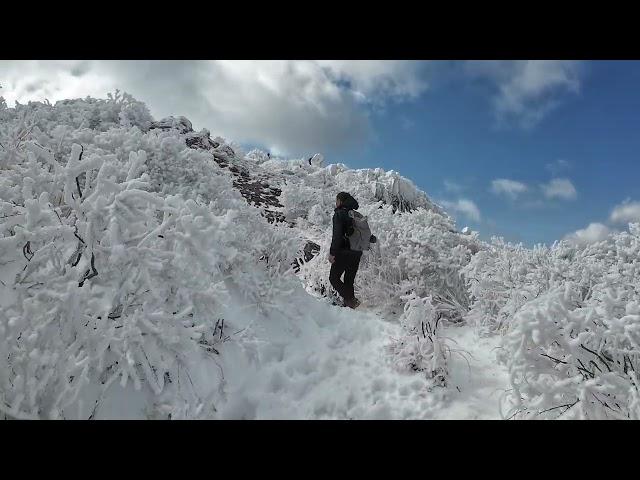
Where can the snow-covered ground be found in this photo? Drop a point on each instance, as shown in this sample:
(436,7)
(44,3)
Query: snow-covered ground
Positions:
(336,368)
(331,363)
(477,385)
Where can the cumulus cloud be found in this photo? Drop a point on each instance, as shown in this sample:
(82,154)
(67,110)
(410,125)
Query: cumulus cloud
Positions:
(369,79)
(561,188)
(595,232)
(26,80)
(527,90)
(291,107)
(510,188)
(626,212)
(463,207)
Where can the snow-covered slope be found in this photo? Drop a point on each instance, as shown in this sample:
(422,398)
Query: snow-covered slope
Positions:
(150,271)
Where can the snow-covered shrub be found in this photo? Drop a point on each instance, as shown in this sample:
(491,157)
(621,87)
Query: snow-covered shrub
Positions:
(137,266)
(258,156)
(571,319)
(417,252)
(568,359)
(420,252)
(299,199)
(134,113)
(418,248)
(422,347)
(130,253)
(502,278)
(318,215)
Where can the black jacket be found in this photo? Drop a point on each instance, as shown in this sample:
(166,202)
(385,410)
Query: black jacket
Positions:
(342,226)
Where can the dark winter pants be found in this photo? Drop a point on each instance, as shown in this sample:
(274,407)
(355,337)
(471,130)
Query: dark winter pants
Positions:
(346,262)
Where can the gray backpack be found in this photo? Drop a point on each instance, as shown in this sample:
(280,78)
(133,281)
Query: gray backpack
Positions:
(360,238)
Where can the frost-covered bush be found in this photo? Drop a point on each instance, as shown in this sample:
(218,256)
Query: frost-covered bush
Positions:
(571,359)
(130,251)
(299,200)
(134,265)
(422,347)
(570,316)
(416,252)
(501,279)
(258,156)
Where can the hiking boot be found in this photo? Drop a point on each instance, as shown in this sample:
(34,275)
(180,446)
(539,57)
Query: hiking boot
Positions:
(352,303)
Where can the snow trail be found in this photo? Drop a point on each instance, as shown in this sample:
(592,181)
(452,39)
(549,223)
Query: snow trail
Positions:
(339,368)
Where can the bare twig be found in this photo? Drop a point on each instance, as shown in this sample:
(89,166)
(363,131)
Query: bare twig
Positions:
(630,363)
(89,274)
(514,414)
(554,359)
(582,368)
(568,405)
(77,236)
(77,260)
(26,250)
(78,185)
(596,354)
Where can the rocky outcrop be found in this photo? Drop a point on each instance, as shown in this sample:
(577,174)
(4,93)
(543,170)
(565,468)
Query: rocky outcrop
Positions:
(201,140)
(255,189)
(259,194)
(182,124)
(310,250)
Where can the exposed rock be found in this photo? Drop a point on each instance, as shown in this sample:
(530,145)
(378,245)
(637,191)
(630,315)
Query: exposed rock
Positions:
(182,124)
(256,191)
(310,250)
(201,140)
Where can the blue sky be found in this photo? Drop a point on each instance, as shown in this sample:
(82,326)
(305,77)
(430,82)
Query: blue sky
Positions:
(450,137)
(533,151)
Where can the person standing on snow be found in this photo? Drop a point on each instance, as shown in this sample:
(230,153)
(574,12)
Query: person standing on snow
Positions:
(343,256)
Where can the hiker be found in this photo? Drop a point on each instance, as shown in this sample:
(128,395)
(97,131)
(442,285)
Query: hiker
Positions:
(351,236)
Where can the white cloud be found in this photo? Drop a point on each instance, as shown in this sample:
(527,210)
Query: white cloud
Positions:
(558,166)
(560,188)
(626,212)
(454,187)
(510,188)
(595,232)
(464,207)
(527,90)
(294,107)
(406,123)
(369,79)
(27,80)
(291,107)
